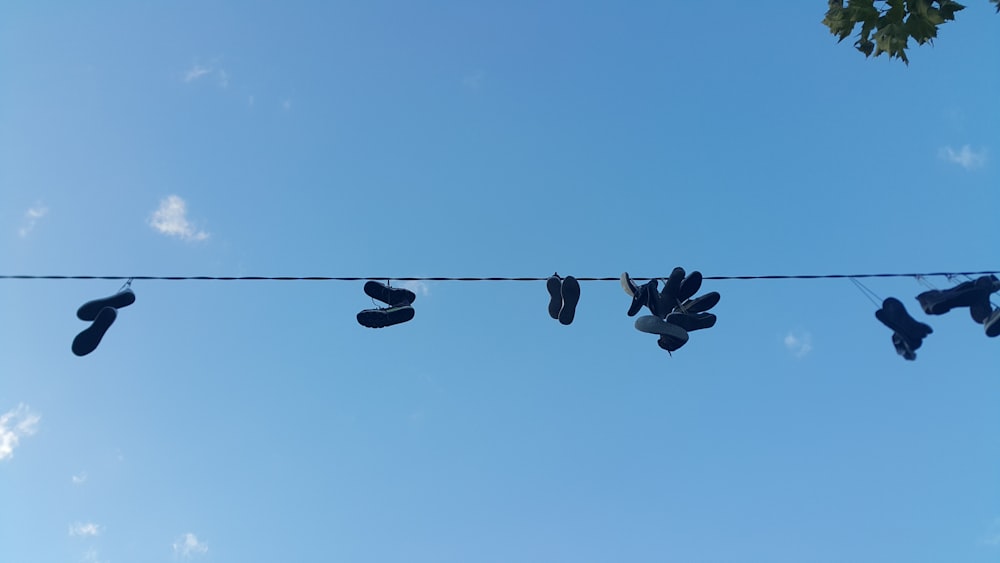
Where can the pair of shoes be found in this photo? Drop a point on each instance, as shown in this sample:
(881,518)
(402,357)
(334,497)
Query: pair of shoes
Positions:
(102,314)
(679,287)
(907,333)
(399,310)
(564,294)
(972,294)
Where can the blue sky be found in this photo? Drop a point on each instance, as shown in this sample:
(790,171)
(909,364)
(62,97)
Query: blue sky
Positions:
(257,421)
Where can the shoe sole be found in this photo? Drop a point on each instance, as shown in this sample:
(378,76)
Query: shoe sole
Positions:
(992,324)
(391,296)
(655,325)
(89,310)
(381,318)
(570,297)
(628,286)
(554,286)
(88,340)
(699,304)
(692,321)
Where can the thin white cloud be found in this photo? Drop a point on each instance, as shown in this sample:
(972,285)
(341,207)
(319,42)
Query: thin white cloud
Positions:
(195,72)
(799,343)
(417,287)
(14,425)
(84,530)
(31,217)
(965,157)
(223,78)
(79,479)
(189,545)
(171,219)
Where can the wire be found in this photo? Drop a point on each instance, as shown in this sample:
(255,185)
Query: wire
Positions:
(871,295)
(466,279)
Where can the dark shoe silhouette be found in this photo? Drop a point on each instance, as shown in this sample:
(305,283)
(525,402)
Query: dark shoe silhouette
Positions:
(87,341)
(966,294)
(647,296)
(671,289)
(699,304)
(907,330)
(570,297)
(903,347)
(89,310)
(655,325)
(671,343)
(391,296)
(692,321)
(381,318)
(992,324)
(554,286)
(690,286)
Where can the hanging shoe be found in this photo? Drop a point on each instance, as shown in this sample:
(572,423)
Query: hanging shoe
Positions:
(690,286)
(671,288)
(640,297)
(966,294)
(391,296)
(903,348)
(992,324)
(89,310)
(671,343)
(692,321)
(893,314)
(381,318)
(699,304)
(570,297)
(554,286)
(655,325)
(628,285)
(87,341)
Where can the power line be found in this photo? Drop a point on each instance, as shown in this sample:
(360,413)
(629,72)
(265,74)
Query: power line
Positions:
(470,279)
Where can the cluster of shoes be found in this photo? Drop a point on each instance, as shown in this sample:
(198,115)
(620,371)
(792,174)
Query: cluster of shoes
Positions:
(908,334)
(675,310)
(102,314)
(564,294)
(399,310)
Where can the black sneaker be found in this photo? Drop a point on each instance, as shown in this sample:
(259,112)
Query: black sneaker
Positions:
(570,297)
(699,304)
(640,298)
(628,285)
(992,324)
(87,341)
(671,289)
(671,343)
(554,285)
(89,310)
(692,321)
(381,318)
(391,296)
(903,348)
(906,329)
(966,294)
(690,286)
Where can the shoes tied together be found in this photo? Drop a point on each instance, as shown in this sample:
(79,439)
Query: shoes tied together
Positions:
(675,310)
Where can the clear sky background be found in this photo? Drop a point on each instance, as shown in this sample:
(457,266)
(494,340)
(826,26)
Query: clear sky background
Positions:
(258,422)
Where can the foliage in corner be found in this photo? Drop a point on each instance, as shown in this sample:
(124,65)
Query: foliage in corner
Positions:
(888,25)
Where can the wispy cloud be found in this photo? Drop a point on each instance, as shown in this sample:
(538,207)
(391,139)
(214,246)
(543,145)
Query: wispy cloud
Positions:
(799,343)
(84,530)
(79,479)
(31,217)
(171,219)
(14,425)
(417,287)
(965,157)
(189,545)
(195,72)
(223,78)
